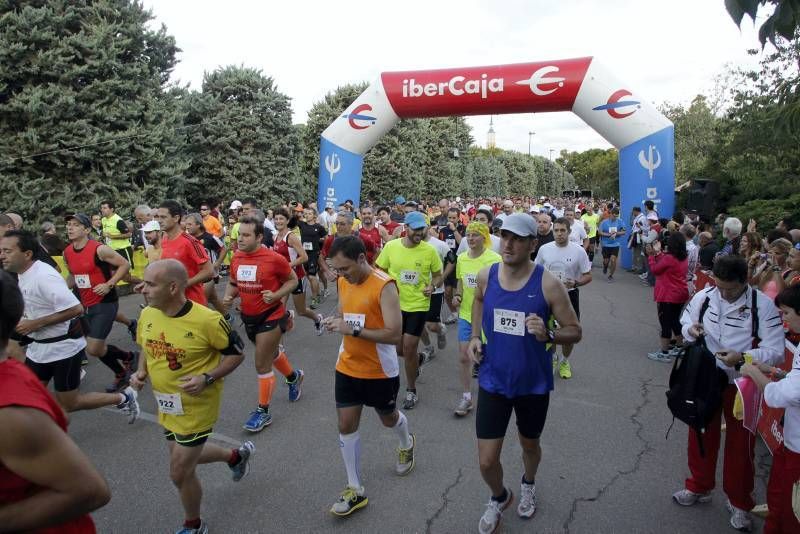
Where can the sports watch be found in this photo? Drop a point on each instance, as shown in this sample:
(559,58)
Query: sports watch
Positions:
(356,330)
(209,379)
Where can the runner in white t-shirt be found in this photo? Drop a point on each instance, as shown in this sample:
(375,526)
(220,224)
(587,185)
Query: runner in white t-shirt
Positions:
(433,322)
(577,233)
(569,263)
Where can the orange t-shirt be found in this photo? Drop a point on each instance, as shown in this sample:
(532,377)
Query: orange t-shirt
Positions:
(213,226)
(361,304)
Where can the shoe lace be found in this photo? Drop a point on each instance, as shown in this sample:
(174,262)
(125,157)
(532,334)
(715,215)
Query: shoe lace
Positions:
(492,512)
(527,495)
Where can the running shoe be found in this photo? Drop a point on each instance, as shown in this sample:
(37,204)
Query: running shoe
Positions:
(411,400)
(350,500)
(564,369)
(426,355)
(202,529)
(463,407)
(494,513)
(685,497)
(294,387)
(241,469)
(441,337)
(132,329)
(120,382)
(258,420)
(130,406)
(84,359)
(610,279)
(605,269)
(660,356)
(314,303)
(527,500)
(405,458)
(318,324)
(453,319)
(740,519)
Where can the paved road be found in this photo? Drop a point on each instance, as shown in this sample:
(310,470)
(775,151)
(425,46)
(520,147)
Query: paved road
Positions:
(606,467)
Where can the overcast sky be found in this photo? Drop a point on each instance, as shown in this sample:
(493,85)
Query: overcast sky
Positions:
(664,51)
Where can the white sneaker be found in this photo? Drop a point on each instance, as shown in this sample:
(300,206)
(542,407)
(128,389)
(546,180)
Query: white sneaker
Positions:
(463,407)
(441,337)
(685,497)
(740,519)
(494,513)
(527,500)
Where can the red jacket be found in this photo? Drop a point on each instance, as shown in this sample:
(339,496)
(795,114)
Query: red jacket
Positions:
(670,278)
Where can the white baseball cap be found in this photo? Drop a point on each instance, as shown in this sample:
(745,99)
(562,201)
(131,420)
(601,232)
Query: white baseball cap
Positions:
(235,205)
(520,224)
(151,226)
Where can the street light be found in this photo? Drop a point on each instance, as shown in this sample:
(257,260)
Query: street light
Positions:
(530,135)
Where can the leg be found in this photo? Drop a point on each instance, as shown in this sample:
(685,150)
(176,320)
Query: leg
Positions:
(73,401)
(410,345)
(703,469)
(491,423)
(299,300)
(122,318)
(531,456)
(183,461)
(612,265)
(738,471)
(464,368)
(266,350)
(212,453)
(350,442)
(489,460)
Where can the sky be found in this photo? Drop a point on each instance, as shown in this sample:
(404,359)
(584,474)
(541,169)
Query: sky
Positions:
(666,51)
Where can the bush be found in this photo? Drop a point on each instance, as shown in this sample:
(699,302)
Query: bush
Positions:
(767,213)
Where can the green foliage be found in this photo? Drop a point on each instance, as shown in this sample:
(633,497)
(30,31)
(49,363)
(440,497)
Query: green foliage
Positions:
(594,169)
(84,114)
(696,132)
(783,21)
(241,141)
(767,213)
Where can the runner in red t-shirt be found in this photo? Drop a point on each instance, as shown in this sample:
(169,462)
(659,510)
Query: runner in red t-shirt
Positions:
(176,244)
(344,227)
(261,278)
(35,446)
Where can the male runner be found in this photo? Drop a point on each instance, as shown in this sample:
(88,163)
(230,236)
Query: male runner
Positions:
(451,232)
(569,263)
(417,268)
(95,270)
(577,229)
(55,346)
(311,235)
(47,485)
(513,301)
(188,350)
(368,317)
(611,231)
(433,321)
(116,231)
(261,278)
(152,235)
(376,235)
(344,227)
(592,219)
(194,223)
(177,244)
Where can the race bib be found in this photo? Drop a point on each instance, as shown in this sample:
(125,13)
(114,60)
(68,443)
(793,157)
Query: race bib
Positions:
(471,280)
(612,229)
(450,243)
(246,273)
(82,281)
(354,319)
(509,322)
(169,403)
(409,277)
(308,245)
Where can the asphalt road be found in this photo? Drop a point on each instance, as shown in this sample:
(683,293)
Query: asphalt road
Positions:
(607,466)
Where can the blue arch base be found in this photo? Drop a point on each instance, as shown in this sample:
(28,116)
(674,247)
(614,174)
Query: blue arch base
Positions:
(647,172)
(339,175)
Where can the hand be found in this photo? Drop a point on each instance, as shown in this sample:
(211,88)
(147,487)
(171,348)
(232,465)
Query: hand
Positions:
(427,290)
(729,357)
(139,288)
(451,226)
(697,330)
(656,247)
(569,283)
(227,302)
(457,300)
(193,385)
(102,289)
(268,296)
(137,380)
(331,276)
(26,326)
(752,370)
(536,327)
(751,225)
(337,324)
(475,350)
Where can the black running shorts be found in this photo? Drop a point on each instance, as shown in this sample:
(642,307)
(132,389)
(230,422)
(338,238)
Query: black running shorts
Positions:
(610,251)
(494,413)
(65,374)
(100,318)
(414,322)
(434,314)
(378,393)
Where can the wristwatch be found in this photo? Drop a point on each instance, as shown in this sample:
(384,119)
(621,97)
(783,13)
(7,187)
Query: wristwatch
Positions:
(551,336)
(209,379)
(356,330)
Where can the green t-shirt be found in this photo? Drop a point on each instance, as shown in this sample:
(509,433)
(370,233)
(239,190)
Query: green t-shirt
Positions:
(411,268)
(467,270)
(591,221)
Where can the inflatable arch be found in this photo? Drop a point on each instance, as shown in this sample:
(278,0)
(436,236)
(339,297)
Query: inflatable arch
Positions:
(643,136)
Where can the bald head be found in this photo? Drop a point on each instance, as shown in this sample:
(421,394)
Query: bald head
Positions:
(17,220)
(795,233)
(704,238)
(169,271)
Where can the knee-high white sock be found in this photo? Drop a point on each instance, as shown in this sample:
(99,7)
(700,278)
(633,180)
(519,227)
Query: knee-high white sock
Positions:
(350,445)
(401,429)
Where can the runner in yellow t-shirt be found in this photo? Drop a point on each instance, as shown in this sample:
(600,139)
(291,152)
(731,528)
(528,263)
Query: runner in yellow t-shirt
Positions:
(469,264)
(592,220)
(417,268)
(187,350)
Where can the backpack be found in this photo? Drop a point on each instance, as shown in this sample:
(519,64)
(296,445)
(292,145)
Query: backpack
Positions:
(696,384)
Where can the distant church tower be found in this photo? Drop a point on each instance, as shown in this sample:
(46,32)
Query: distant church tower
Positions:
(490,140)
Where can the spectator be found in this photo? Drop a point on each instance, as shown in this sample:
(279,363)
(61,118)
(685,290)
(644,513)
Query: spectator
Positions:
(774,269)
(693,252)
(708,250)
(671,292)
(50,241)
(751,248)
(731,230)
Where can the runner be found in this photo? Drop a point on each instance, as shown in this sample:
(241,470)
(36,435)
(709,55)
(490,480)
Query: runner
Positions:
(611,232)
(344,227)
(261,278)
(152,235)
(369,319)
(116,231)
(468,266)
(177,244)
(376,235)
(288,245)
(569,263)
(416,267)
(577,229)
(95,270)
(483,215)
(211,223)
(311,235)
(592,219)
(188,350)
(385,220)
(512,302)
(38,494)
(451,232)
(215,250)
(50,329)
(433,321)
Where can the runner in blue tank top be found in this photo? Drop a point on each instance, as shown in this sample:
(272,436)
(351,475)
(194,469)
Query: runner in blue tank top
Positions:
(513,302)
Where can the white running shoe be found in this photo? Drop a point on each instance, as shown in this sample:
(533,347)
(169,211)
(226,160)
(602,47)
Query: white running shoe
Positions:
(494,513)
(527,500)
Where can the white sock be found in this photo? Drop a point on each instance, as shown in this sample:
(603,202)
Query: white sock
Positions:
(468,395)
(350,445)
(401,428)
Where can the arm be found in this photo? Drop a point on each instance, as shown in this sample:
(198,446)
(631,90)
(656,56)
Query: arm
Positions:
(391,332)
(297,245)
(474,349)
(690,327)
(26,326)
(231,292)
(289,284)
(108,255)
(205,274)
(123,232)
(770,329)
(31,446)
(459,292)
(223,251)
(555,293)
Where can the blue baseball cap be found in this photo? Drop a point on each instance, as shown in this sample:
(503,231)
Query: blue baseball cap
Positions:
(415,220)
(399,199)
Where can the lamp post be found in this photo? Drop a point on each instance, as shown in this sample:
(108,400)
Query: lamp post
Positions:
(551,161)
(530,135)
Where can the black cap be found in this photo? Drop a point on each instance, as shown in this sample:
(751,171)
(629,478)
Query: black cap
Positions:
(81,218)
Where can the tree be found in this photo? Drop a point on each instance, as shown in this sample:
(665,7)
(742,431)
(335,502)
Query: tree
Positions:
(241,140)
(696,136)
(783,21)
(594,169)
(85,112)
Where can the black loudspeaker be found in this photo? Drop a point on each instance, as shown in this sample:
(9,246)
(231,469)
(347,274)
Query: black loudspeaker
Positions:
(702,197)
